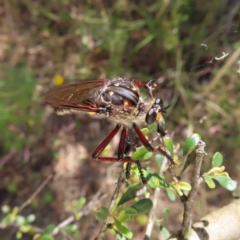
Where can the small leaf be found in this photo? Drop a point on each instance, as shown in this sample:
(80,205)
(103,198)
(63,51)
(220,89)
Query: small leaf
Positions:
(102,214)
(120,236)
(142,219)
(217,160)
(131,211)
(152,128)
(190,159)
(123,217)
(144,131)
(209,181)
(169,144)
(30,218)
(46,237)
(175,186)
(25,228)
(226,182)
(81,202)
(190,143)
(19,235)
(159,159)
(123,229)
(216,171)
(129,194)
(20,220)
(164,232)
(166,212)
(71,228)
(171,194)
(155,181)
(142,154)
(143,206)
(49,229)
(184,186)
(6,209)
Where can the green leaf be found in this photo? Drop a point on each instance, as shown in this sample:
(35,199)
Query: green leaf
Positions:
(171,194)
(123,217)
(102,214)
(159,159)
(209,181)
(166,212)
(71,228)
(142,154)
(190,143)
(120,236)
(19,235)
(123,229)
(6,209)
(169,144)
(129,194)
(46,237)
(30,218)
(81,202)
(152,128)
(131,211)
(20,220)
(47,198)
(49,229)
(217,160)
(142,219)
(226,182)
(164,232)
(155,181)
(144,131)
(143,206)
(190,159)
(184,186)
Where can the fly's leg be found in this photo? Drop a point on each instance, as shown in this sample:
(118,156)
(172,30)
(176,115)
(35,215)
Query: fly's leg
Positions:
(150,86)
(150,148)
(121,149)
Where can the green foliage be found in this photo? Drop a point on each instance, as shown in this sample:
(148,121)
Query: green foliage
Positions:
(102,214)
(18,114)
(142,154)
(190,143)
(24,224)
(129,194)
(217,173)
(217,160)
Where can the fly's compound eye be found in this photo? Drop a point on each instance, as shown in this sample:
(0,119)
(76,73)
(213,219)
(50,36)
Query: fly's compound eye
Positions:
(159,102)
(151,116)
(155,111)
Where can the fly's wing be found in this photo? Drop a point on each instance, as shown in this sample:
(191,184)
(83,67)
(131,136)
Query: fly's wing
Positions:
(78,96)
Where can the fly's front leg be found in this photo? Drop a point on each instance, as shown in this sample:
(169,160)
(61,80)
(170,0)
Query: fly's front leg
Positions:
(150,148)
(105,142)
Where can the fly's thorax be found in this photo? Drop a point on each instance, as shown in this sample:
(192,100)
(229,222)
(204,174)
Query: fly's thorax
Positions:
(136,115)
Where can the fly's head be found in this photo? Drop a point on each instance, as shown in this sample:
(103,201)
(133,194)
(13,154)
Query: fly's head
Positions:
(155,112)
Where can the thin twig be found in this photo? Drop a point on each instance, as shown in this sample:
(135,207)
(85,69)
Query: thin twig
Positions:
(111,206)
(39,189)
(197,180)
(85,211)
(155,201)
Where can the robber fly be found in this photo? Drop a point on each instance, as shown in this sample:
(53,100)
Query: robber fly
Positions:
(119,100)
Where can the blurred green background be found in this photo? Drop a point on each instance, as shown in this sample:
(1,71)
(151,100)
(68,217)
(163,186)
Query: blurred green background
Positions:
(175,42)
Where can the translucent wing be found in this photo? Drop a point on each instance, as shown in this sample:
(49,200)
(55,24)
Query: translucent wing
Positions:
(76,95)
